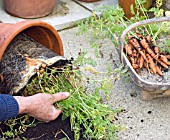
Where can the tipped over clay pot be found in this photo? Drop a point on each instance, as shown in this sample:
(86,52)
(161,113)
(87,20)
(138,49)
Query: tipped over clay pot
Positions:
(40,31)
(29,8)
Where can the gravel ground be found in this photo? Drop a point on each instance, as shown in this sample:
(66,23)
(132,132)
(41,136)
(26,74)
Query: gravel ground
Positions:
(142,120)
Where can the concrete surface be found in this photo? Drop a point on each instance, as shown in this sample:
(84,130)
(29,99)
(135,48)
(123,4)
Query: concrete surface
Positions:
(66,14)
(143,120)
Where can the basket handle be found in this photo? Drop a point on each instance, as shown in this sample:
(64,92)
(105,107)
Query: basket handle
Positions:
(140,23)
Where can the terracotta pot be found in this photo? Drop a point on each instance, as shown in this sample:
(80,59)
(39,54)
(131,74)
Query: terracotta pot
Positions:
(125,4)
(29,8)
(40,31)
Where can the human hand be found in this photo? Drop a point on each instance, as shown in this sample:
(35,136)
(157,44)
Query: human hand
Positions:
(40,105)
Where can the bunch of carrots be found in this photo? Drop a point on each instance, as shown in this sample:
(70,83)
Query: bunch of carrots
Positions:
(143,54)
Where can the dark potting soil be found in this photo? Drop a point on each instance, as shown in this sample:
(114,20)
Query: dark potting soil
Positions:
(54,130)
(50,131)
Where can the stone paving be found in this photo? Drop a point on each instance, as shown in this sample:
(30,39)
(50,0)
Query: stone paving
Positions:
(66,14)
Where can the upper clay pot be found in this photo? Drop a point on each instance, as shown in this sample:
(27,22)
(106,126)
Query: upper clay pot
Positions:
(126,5)
(29,8)
(40,31)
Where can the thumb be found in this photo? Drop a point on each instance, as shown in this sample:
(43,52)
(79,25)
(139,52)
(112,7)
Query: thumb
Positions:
(60,96)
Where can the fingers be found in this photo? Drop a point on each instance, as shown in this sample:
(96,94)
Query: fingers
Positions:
(56,113)
(42,108)
(60,96)
(53,116)
(50,117)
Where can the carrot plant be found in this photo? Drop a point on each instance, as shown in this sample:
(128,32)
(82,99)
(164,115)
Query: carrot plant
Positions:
(16,126)
(85,107)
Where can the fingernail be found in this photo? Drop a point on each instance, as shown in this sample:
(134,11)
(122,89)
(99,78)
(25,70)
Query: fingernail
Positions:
(67,94)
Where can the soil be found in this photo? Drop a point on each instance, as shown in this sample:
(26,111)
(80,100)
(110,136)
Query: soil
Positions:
(54,130)
(50,131)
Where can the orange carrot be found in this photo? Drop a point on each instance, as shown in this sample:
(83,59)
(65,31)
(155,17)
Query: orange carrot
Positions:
(148,38)
(141,61)
(156,49)
(151,71)
(133,59)
(135,66)
(162,63)
(129,49)
(136,44)
(151,63)
(145,65)
(146,46)
(158,70)
(134,53)
(149,50)
(164,59)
